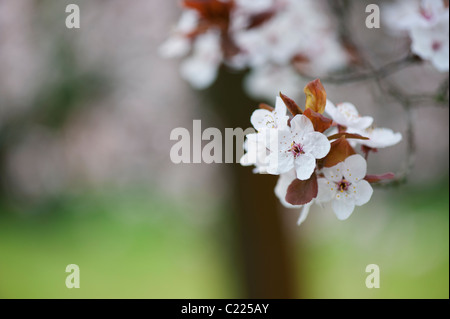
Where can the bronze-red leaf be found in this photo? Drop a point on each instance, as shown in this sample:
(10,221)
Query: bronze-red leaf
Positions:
(212,12)
(340,150)
(320,122)
(302,192)
(259,19)
(267,107)
(379,178)
(316,96)
(291,105)
(347,135)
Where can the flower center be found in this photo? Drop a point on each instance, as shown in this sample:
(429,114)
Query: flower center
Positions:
(296,149)
(426,13)
(349,112)
(270,121)
(343,185)
(436,46)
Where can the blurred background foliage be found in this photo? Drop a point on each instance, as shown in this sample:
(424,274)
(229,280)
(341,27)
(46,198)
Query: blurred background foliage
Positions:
(85,118)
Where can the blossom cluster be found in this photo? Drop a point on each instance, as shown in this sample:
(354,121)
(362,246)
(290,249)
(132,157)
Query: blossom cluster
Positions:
(427,23)
(272,38)
(314,154)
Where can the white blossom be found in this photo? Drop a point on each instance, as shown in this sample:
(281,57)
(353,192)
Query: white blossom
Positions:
(201,68)
(262,119)
(266,123)
(427,23)
(256,152)
(179,45)
(344,186)
(432,44)
(293,30)
(378,137)
(297,28)
(297,147)
(346,114)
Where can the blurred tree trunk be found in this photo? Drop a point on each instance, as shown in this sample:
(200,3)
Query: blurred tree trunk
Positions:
(266,255)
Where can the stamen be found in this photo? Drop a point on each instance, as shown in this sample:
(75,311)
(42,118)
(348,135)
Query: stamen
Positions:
(343,185)
(296,149)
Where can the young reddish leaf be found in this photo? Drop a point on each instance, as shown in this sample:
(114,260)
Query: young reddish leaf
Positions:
(291,105)
(366,150)
(347,135)
(302,192)
(210,9)
(300,58)
(379,178)
(320,122)
(316,96)
(341,129)
(212,12)
(260,18)
(229,47)
(267,107)
(300,62)
(340,150)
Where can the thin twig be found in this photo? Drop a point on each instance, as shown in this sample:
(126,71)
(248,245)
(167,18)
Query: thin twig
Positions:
(372,74)
(378,76)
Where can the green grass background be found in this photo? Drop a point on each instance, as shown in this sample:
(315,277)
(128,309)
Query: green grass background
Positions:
(139,245)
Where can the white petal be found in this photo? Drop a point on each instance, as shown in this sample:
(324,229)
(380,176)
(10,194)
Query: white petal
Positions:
(327,190)
(282,186)
(199,73)
(334,173)
(362,123)
(280,163)
(343,208)
(316,144)
(253,137)
(382,137)
(201,68)
(425,38)
(280,109)
(378,137)
(330,108)
(348,108)
(363,192)
(251,148)
(175,47)
(188,21)
(278,140)
(354,168)
(247,159)
(304,166)
(304,213)
(346,114)
(262,119)
(281,121)
(255,6)
(301,124)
